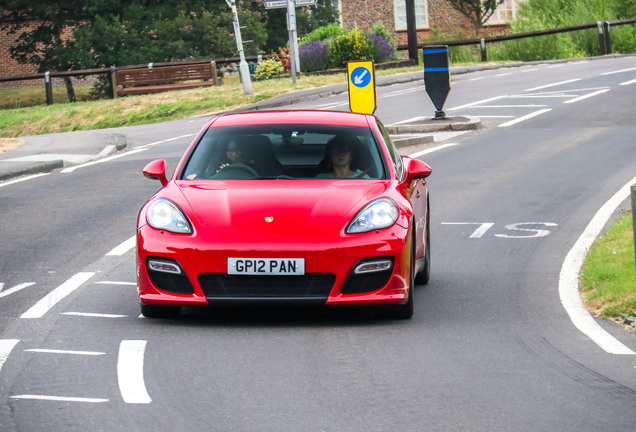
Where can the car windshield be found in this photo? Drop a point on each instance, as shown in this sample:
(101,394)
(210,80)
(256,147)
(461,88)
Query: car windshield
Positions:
(285,152)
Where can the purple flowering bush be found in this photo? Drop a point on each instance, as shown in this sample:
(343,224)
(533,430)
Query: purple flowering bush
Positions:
(313,56)
(382,50)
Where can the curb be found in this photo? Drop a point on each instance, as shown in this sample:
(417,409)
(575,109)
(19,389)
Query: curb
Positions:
(39,167)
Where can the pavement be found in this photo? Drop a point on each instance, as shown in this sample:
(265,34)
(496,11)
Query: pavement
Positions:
(45,153)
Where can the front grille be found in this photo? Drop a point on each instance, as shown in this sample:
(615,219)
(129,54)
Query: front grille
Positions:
(365,283)
(311,286)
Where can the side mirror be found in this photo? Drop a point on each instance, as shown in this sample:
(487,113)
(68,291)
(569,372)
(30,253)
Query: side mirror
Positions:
(416,169)
(156,170)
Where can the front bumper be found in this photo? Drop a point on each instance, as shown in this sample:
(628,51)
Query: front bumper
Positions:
(329,264)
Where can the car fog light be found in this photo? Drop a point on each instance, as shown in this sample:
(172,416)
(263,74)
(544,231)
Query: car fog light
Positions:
(164,266)
(373,266)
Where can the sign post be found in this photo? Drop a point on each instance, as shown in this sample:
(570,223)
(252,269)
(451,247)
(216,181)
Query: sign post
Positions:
(243,67)
(362,95)
(437,76)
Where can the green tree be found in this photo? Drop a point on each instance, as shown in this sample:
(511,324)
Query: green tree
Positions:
(477,11)
(102,33)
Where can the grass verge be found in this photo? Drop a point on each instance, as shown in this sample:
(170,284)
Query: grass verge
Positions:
(152,108)
(608,277)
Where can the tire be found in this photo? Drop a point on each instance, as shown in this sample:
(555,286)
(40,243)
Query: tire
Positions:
(406,310)
(159,311)
(424,276)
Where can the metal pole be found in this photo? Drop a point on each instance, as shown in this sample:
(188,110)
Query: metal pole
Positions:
(484,54)
(633,189)
(48,87)
(411,31)
(608,38)
(601,38)
(243,67)
(291,26)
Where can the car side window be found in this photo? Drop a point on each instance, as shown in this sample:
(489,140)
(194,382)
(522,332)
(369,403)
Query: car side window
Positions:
(395,154)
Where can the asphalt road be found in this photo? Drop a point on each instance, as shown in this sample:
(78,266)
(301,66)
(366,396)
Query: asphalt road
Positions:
(490,346)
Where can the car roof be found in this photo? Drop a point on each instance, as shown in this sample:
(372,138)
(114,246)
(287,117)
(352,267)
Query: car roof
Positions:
(291,117)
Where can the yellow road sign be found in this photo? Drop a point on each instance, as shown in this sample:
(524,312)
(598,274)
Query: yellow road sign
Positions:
(362,98)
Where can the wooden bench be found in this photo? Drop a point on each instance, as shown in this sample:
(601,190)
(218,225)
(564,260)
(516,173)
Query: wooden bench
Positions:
(161,79)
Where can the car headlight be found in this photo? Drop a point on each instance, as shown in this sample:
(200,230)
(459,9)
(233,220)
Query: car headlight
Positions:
(163,214)
(379,214)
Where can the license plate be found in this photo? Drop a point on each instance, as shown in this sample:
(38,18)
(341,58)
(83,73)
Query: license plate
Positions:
(266,266)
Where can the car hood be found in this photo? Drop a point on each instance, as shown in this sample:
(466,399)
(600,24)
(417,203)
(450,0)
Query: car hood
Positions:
(279,203)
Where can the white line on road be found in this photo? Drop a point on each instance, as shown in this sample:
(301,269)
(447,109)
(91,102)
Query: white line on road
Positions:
(54,351)
(124,247)
(108,159)
(619,71)
(21,179)
(629,82)
(569,277)
(16,288)
(59,398)
(478,103)
(51,299)
(93,315)
(510,106)
(116,283)
(431,150)
(554,85)
(589,95)
(525,117)
(6,345)
(130,372)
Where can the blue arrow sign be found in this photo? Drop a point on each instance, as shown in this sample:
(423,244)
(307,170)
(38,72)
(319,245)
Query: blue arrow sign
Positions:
(361,77)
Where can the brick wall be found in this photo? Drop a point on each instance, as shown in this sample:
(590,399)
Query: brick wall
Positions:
(9,67)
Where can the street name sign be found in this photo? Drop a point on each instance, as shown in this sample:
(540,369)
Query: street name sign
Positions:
(362,95)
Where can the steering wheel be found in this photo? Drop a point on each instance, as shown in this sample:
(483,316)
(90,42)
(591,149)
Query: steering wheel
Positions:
(236,172)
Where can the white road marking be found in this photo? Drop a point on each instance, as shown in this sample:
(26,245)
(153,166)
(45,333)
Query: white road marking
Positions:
(619,71)
(477,103)
(492,116)
(16,289)
(479,232)
(569,277)
(510,106)
(59,398)
(554,85)
(525,117)
(124,247)
(93,315)
(628,82)
(589,95)
(431,150)
(130,372)
(53,351)
(21,179)
(116,283)
(503,74)
(6,346)
(51,299)
(108,159)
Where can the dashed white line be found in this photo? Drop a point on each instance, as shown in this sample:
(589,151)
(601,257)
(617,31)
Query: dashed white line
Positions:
(554,85)
(16,289)
(628,82)
(619,71)
(51,299)
(59,398)
(130,372)
(431,150)
(6,346)
(100,161)
(477,103)
(69,352)
(525,117)
(589,95)
(116,283)
(569,277)
(21,179)
(93,315)
(124,247)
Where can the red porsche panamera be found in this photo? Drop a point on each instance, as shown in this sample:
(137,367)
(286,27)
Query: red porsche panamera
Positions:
(286,207)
